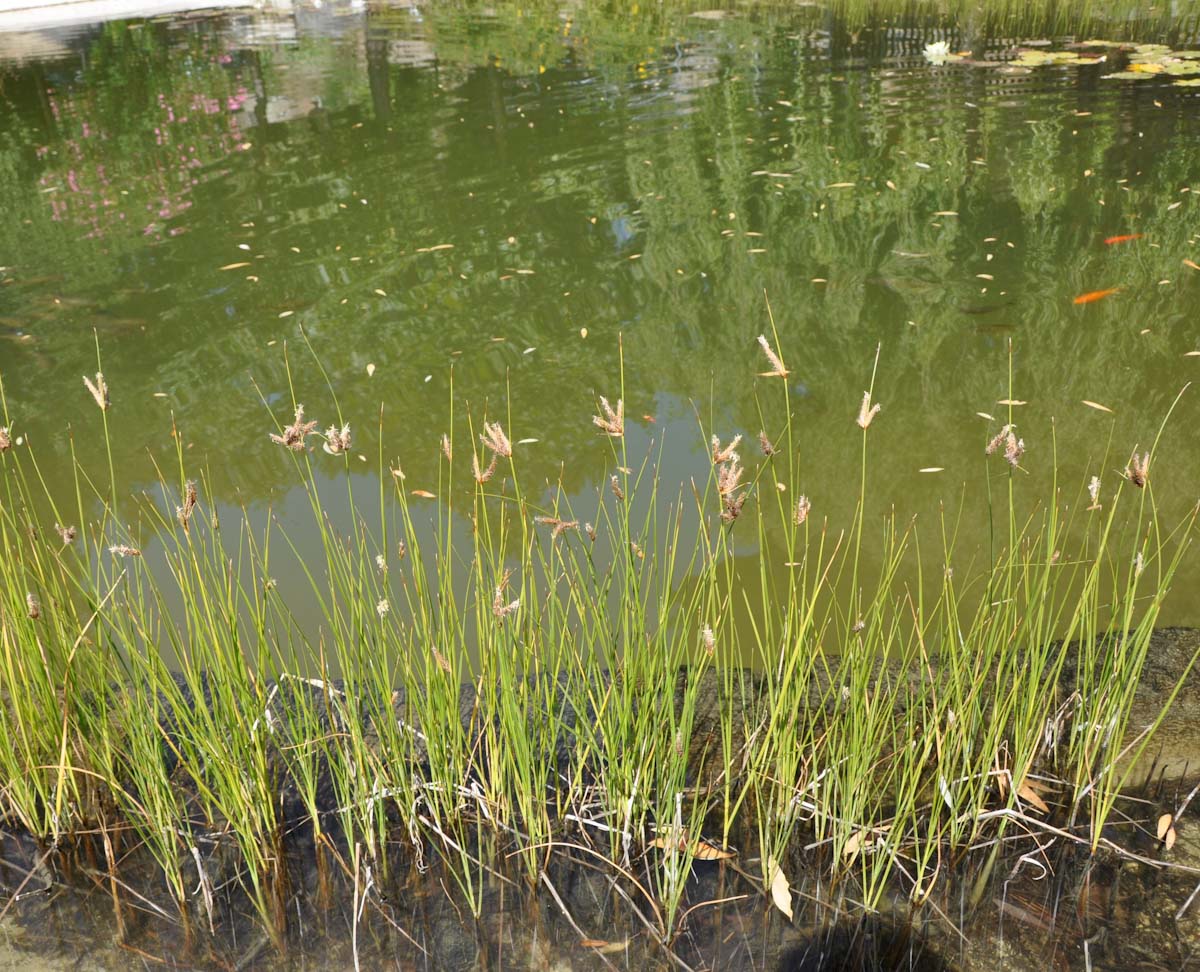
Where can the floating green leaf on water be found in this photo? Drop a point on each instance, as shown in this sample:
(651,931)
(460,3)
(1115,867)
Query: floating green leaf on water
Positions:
(1129,76)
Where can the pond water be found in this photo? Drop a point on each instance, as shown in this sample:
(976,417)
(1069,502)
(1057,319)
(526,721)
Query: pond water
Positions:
(483,204)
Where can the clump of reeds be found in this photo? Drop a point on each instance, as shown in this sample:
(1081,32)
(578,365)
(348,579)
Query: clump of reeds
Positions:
(603,688)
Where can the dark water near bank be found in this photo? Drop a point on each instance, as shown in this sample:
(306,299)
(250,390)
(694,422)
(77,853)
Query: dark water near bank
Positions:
(473,204)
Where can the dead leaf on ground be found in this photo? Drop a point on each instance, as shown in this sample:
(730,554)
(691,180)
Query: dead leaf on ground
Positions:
(1027,792)
(701,849)
(781,895)
(859,840)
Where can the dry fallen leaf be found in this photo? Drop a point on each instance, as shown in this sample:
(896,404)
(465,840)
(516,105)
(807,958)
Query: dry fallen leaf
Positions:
(233,266)
(707,851)
(1191,263)
(1096,405)
(370,370)
(1164,824)
(603,947)
(1169,839)
(858,840)
(1027,793)
(424,494)
(701,849)
(780,894)
(1010,401)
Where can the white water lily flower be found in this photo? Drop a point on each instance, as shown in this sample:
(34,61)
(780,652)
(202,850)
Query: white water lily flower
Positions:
(938,52)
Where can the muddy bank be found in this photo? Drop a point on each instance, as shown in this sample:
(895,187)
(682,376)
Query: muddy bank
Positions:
(1046,901)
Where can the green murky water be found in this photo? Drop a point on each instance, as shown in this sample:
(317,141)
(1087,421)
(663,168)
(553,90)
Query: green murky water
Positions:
(477,204)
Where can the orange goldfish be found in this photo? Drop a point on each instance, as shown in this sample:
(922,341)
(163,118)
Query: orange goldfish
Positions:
(1092,295)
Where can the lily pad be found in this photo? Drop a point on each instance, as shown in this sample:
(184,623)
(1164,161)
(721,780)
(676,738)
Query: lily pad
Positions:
(1128,75)
(1100,43)
(1188,55)
(1188,82)
(1182,68)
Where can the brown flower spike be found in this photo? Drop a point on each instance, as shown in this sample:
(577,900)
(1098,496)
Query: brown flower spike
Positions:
(99,390)
(337,441)
(500,609)
(867,411)
(1138,469)
(995,442)
(184,513)
(483,475)
(612,422)
(722,453)
(494,438)
(1014,448)
(559,526)
(294,435)
(777,368)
